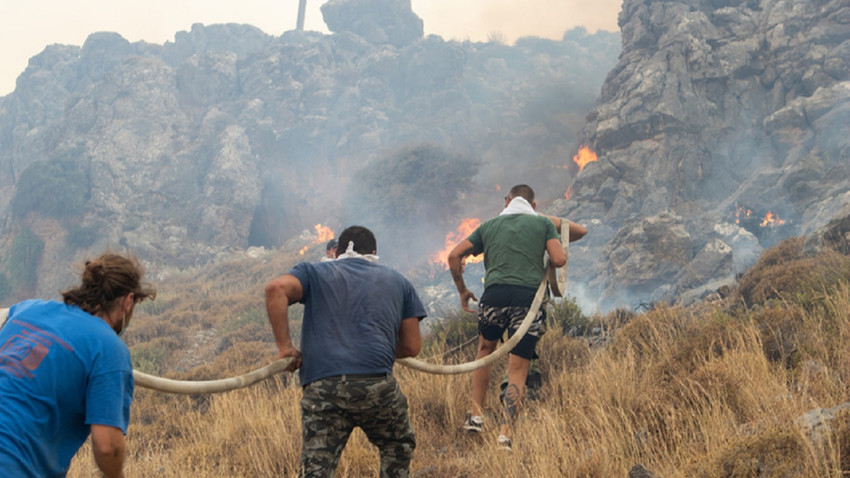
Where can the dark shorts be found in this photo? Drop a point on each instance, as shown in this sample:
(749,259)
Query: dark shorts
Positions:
(493,321)
(331,408)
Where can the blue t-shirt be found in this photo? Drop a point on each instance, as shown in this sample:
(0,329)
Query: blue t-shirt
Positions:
(61,370)
(353,310)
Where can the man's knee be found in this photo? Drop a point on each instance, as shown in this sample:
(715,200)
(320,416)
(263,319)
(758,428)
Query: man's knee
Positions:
(485,345)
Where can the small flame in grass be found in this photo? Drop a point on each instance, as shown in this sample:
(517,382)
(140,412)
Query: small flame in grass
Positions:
(323,234)
(569,193)
(584,156)
(742,213)
(463,231)
(771,220)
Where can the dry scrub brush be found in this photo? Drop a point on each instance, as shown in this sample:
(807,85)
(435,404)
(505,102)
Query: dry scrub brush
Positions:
(709,392)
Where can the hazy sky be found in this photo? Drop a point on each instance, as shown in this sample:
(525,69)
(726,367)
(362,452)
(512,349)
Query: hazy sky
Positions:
(26,27)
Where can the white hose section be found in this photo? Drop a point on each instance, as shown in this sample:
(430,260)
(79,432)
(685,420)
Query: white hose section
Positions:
(189,387)
(196,387)
(497,354)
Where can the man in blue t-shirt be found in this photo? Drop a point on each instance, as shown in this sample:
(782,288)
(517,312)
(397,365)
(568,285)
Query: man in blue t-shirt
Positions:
(65,373)
(359,317)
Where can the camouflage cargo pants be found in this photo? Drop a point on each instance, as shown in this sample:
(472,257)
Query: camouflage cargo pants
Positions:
(333,406)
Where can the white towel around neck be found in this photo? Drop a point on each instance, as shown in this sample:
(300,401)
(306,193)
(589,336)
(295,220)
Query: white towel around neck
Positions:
(518,205)
(350,253)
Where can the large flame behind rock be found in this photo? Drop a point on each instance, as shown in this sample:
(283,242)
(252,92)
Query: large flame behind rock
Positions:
(584,156)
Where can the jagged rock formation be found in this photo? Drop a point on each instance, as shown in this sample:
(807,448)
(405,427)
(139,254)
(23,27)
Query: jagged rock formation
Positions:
(228,138)
(721,129)
(377,21)
(716,114)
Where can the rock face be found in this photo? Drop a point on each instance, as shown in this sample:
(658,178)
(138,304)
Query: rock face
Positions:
(722,129)
(377,21)
(229,138)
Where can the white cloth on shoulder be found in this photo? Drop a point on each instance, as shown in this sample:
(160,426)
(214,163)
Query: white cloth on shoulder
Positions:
(351,254)
(518,205)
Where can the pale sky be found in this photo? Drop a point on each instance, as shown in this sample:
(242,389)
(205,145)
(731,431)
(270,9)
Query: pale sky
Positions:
(28,26)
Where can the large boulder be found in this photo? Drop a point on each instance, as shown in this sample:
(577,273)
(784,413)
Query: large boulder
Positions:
(378,21)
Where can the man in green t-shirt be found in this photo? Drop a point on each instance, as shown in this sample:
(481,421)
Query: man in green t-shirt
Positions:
(513,244)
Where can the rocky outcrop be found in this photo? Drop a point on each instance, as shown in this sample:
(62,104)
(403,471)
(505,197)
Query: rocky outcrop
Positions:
(377,21)
(720,130)
(229,138)
(729,117)
(834,235)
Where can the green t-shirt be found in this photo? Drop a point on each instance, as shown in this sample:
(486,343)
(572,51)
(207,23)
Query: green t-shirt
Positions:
(513,247)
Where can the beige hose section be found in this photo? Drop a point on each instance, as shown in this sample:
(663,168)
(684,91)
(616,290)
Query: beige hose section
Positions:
(497,354)
(226,384)
(188,387)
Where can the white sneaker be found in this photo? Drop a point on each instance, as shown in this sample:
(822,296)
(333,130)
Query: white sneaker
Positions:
(504,443)
(473,423)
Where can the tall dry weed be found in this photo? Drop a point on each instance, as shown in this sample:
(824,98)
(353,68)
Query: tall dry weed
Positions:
(704,392)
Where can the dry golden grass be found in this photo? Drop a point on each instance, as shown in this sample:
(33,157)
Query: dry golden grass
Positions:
(704,392)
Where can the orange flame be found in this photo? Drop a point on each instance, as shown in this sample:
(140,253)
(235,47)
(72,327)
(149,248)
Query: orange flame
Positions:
(771,220)
(323,234)
(569,193)
(584,156)
(742,213)
(463,231)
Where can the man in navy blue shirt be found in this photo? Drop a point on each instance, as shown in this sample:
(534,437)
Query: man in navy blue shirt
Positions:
(359,317)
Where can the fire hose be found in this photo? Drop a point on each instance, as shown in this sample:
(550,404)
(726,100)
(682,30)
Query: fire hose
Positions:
(195,387)
(222,385)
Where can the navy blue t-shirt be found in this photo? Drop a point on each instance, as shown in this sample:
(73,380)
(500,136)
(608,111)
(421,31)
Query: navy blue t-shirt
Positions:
(353,310)
(61,371)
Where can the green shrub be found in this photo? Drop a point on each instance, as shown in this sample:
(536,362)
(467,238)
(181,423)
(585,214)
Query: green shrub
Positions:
(452,333)
(5,287)
(567,316)
(24,257)
(81,237)
(157,355)
(58,188)
(783,274)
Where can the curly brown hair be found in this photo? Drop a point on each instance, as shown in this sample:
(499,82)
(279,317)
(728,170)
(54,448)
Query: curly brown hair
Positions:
(107,278)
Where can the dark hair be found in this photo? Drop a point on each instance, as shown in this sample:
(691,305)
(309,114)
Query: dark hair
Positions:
(105,279)
(523,190)
(331,244)
(364,240)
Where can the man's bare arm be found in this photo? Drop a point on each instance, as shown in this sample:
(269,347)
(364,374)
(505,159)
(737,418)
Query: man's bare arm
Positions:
(455,260)
(556,252)
(280,292)
(409,338)
(577,231)
(109,450)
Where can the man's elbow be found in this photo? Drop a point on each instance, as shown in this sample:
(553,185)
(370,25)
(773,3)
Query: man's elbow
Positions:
(111,451)
(273,288)
(109,456)
(408,350)
(577,232)
(453,259)
(558,261)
